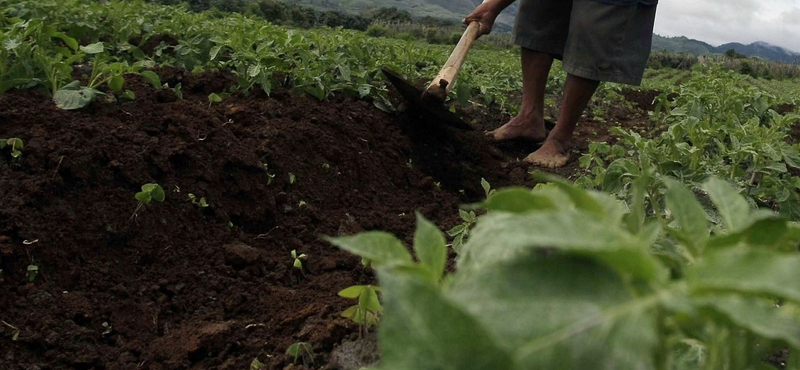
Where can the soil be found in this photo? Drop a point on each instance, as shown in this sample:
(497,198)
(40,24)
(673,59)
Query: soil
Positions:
(177,286)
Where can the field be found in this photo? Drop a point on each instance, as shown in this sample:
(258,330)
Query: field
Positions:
(203,192)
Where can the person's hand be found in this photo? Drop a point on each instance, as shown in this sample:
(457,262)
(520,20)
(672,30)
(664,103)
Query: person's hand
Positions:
(485,14)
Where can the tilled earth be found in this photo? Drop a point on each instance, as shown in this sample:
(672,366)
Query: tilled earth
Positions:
(177,286)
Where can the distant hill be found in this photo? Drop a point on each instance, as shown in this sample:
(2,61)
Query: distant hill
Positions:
(454,10)
(759,49)
(763,50)
(682,44)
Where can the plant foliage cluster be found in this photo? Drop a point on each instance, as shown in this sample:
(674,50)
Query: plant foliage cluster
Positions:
(561,277)
(717,124)
(44,42)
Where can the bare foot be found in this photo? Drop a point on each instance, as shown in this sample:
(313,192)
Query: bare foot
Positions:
(552,154)
(520,127)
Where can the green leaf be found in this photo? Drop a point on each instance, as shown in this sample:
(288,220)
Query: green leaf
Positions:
(517,200)
(747,270)
(350,312)
(759,316)
(74,96)
(153,78)
(214,98)
(129,95)
(731,206)
(423,330)
(116,83)
(580,197)
(616,171)
(214,52)
(487,189)
(71,43)
(143,197)
(505,236)
(95,48)
(158,193)
(15,143)
(768,230)
(352,292)
(688,212)
(257,365)
(381,248)
(368,301)
(567,310)
(791,156)
(32,272)
(253,70)
(431,247)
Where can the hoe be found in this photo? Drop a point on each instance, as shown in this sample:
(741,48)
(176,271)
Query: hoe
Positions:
(431,100)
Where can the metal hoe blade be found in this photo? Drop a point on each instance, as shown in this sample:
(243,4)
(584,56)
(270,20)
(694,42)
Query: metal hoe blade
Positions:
(413,96)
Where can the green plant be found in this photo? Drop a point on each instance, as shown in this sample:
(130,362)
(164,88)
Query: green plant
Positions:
(368,310)
(258,365)
(214,98)
(15,331)
(14,144)
(32,272)
(487,188)
(199,202)
(591,280)
(460,232)
(149,193)
(292,178)
(303,351)
(297,260)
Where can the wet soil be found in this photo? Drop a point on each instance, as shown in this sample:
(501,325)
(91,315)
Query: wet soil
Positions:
(177,286)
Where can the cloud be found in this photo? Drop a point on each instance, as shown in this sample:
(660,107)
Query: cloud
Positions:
(719,21)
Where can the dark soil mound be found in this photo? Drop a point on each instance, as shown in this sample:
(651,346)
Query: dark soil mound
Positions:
(177,286)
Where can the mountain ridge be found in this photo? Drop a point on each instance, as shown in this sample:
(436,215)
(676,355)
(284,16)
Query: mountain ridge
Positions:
(455,10)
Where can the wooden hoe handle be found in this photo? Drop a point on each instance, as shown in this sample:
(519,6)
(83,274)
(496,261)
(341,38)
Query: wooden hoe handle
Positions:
(444,81)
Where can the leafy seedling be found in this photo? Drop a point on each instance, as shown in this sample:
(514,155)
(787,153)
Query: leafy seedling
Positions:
(74,96)
(178,89)
(108,328)
(303,351)
(32,272)
(129,95)
(487,188)
(15,145)
(14,331)
(292,179)
(149,193)
(368,310)
(199,202)
(214,98)
(257,365)
(460,232)
(298,263)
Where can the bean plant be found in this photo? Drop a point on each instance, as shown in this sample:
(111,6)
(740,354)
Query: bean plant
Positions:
(559,277)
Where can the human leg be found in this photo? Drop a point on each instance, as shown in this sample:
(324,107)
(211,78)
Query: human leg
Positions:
(555,150)
(529,123)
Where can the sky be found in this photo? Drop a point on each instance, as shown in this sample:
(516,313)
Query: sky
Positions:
(721,21)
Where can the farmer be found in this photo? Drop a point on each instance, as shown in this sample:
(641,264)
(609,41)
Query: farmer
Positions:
(597,40)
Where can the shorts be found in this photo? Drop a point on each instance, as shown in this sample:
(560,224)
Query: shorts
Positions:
(594,40)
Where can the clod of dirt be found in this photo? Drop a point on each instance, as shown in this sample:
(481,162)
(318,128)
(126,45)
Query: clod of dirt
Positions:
(356,354)
(192,343)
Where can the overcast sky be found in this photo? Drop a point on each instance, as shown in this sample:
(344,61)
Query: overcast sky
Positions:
(721,21)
